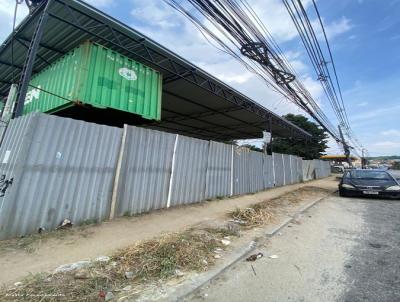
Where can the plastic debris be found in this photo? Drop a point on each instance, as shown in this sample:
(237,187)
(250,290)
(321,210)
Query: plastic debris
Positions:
(81,275)
(18,284)
(179,273)
(217,256)
(102,259)
(66,223)
(254,257)
(72,266)
(102,295)
(238,221)
(129,275)
(109,296)
(274,257)
(225,242)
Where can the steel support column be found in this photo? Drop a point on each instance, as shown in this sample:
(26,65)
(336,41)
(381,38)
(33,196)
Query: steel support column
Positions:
(30,60)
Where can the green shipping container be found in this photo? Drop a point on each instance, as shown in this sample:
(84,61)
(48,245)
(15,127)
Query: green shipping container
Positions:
(95,75)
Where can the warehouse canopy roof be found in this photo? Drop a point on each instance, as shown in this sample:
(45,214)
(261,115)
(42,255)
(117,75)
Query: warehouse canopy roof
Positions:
(194,103)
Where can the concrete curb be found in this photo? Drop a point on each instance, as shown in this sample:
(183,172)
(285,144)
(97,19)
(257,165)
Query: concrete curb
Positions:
(240,253)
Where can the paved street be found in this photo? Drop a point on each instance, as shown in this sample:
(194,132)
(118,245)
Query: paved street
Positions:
(340,250)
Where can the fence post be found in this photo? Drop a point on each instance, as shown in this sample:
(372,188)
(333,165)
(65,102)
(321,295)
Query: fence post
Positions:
(273,168)
(232,170)
(171,179)
(118,173)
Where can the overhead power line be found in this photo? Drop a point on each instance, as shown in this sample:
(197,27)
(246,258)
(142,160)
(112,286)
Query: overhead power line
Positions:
(323,68)
(233,27)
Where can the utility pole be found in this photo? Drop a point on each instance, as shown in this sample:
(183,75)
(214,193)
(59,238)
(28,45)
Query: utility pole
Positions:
(346,147)
(363,159)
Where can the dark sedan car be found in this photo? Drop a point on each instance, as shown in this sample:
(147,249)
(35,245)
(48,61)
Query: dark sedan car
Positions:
(369,183)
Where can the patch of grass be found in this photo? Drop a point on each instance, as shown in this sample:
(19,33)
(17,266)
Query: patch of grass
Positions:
(224,231)
(88,222)
(150,261)
(264,212)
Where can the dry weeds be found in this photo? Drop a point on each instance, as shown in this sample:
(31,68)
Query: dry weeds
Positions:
(166,257)
(266,211)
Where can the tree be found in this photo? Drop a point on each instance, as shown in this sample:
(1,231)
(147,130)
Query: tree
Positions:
(396,165)
(308,149)
(252,147)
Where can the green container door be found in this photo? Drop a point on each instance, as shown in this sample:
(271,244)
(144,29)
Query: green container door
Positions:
(95,75)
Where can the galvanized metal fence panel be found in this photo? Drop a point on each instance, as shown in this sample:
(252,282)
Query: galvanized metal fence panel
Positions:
(287,169)
(299,169)
(61,168)
(248,177)
(318,169)
(190,171)
(293,169)
(308,170)
(279,170)
(268,171)
(326,168)
(219,170)
(256,172)
(146,171)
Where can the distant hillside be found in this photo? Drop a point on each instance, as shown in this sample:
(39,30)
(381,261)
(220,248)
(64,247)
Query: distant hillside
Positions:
(385,157)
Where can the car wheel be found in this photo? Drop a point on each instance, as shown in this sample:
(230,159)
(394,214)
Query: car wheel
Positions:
(342,193)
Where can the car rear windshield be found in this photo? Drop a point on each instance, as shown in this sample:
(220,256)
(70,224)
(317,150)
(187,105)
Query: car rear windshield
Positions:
(370,175)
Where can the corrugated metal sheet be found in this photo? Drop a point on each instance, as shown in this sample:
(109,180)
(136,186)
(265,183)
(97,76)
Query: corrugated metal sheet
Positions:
(189,181)
(286,167)
(248,177)
(61,168)
(318,169)
(145,172)
(308,170)
(268,173)
(299,169)
(256,172)
(219,170)
(99,76)
(279,169)
(293,169)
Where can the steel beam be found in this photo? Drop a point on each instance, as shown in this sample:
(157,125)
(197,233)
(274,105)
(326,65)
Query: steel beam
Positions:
(30,59)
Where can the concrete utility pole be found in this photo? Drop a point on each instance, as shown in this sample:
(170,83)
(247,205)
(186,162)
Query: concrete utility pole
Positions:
(363,159)
(346,147)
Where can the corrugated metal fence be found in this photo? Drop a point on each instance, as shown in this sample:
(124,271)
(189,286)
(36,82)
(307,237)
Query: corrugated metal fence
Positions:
(53,168)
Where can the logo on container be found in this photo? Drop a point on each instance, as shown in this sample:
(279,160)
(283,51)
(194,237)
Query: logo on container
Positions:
(128,74)
(33,94)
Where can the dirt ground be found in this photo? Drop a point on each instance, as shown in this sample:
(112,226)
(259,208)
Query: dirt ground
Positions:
(36,253)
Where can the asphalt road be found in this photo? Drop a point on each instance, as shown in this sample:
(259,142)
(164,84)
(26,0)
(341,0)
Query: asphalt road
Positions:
(343,249)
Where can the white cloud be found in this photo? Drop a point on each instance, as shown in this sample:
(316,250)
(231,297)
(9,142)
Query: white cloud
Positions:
(7,15)
(362,104)
(367,115)
(391,132)
(101,3)
(337,28)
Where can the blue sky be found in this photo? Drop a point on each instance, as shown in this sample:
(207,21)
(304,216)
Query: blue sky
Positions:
(364,36)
